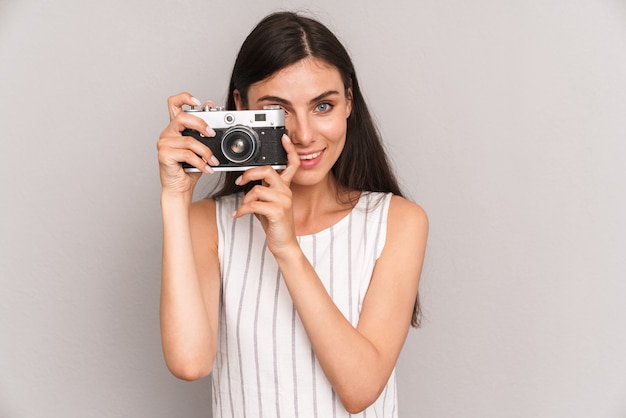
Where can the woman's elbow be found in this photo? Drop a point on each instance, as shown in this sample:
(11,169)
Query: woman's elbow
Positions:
(356,406)
(357,400)
(189,371)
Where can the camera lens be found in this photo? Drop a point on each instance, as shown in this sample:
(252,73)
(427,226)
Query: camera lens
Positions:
(240,144)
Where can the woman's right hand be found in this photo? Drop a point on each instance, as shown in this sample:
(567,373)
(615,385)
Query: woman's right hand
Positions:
(174,149)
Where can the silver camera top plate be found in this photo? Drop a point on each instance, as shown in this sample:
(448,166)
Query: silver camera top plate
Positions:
(218,118)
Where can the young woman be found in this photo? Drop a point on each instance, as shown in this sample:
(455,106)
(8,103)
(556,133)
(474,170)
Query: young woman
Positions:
(294,288)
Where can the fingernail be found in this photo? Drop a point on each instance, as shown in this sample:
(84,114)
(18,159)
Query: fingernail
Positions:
(233,214)
(214,160)
(238,181)
(208,169)
(210,131)
(196,101)
(286,138)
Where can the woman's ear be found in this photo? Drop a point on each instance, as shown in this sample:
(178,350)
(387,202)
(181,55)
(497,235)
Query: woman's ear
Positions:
(238,100)
(348,102)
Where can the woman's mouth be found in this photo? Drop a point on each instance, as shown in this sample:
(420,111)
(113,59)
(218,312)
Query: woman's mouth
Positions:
(310,160)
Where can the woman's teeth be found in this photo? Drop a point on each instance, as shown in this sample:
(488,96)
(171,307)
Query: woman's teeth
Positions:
(311,156)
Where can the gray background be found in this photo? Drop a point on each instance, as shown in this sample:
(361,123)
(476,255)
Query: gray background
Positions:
(505,120)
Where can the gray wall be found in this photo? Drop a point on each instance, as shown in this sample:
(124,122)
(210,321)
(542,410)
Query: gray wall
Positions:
(504,118)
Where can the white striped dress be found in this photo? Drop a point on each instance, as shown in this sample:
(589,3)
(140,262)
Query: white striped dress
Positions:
(265,366)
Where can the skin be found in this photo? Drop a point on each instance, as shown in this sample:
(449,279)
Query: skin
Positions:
(302,199)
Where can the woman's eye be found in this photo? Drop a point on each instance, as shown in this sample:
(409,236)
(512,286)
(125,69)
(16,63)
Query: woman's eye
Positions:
(324,107)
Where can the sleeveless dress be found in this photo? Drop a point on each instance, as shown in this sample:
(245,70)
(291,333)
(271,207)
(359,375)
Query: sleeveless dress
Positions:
(265,366)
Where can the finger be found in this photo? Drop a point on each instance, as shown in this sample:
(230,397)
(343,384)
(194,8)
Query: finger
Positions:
(265,194)
(269,175)
(186,120)
(265,173)
(175,103)
(293,161)
(256,207)
(264,201)
(201,154)
(177,156)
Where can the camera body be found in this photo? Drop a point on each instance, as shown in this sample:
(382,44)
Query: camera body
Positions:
(244,138)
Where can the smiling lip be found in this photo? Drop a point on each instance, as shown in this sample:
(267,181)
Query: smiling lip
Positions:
(311,159)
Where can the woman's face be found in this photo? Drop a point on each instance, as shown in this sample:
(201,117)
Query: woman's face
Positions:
(316,111)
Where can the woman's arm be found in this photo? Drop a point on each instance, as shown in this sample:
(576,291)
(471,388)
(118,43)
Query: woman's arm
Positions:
(358,362)
(190,270)
(190,287)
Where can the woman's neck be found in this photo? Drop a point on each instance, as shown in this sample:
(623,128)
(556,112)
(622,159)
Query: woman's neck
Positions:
(320,206)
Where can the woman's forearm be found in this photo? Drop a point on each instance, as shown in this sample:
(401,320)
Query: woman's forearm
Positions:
(188,334)
(351,362)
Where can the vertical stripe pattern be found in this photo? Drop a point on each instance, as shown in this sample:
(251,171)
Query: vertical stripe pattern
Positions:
(265,366)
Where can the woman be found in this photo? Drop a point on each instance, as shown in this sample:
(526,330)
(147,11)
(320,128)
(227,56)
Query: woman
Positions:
(295,288)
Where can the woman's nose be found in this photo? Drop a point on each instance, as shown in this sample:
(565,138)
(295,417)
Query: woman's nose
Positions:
(301,131)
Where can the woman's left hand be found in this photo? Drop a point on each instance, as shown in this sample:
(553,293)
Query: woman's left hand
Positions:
(271,201)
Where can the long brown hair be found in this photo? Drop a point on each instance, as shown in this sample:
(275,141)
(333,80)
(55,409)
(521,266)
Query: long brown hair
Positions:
(284,38)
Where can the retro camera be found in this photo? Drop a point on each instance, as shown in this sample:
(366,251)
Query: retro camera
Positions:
(244,138)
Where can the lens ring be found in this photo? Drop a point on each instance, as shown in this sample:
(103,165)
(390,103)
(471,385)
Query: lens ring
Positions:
(240,144)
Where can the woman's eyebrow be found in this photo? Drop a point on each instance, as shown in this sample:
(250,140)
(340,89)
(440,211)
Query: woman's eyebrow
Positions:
(274,99)
(285,102)
(323,96)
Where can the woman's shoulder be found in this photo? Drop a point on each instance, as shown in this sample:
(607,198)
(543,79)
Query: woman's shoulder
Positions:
(207,204)
(203,224)
(210,204)
(406,214)
(398,206)
(207,210)
(202,213)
